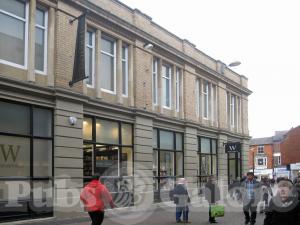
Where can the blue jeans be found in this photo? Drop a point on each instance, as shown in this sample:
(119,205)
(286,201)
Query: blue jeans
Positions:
(182,210)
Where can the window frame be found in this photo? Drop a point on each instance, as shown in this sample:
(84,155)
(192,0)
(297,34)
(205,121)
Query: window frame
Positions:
(92,47)
(205,102)
(110,39)
(169,80)
(125,60)
(197,90)
(158,150)
(26,24)
(265,161)
(154,81)
(177,85)
(260,149)
(45,30)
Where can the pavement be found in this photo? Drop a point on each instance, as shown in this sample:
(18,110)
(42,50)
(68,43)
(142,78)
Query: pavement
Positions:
(158,215)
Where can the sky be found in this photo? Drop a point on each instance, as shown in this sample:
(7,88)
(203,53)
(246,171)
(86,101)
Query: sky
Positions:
(263,35)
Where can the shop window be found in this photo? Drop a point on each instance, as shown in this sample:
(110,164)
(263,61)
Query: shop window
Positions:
(109,152)
(26,149)
(207,165)
(167,162)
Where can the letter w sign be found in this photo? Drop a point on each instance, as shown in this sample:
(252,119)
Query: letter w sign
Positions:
(10,152)
(233,147)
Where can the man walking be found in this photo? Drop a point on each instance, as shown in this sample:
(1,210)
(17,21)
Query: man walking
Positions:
(251,197)
(181,199)
(94,195)
(212,195)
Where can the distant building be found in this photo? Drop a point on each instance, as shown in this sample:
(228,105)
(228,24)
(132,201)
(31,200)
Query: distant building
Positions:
(290,150)
(265,156)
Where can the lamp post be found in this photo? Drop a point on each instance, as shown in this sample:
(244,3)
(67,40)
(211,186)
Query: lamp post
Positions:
(222,66)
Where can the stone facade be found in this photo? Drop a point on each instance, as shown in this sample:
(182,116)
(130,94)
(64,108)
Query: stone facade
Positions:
(135,29)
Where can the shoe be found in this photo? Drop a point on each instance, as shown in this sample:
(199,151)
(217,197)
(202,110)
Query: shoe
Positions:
(179,221)
(252,223)
(187,222)
(246,222)
(213,221)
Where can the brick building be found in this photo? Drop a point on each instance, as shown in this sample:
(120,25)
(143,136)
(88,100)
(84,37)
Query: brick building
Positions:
(146,115)
(267,155)
(290,150)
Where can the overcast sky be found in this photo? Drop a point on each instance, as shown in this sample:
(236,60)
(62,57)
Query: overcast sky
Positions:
(263,34)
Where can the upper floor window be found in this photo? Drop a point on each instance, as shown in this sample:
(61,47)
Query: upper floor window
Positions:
(205,102)
(90,57)
(260,150)
(261,161)
(197,98)
(277,160)
(206,99)
(177,82)
(108,64)
(13,32)
(233,109)
(125,70)
(41,21)
(166,75)
(154,80)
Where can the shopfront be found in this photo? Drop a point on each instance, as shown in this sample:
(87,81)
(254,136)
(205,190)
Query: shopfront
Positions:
(167,162)
(26,161)
(207,160)
(108,151)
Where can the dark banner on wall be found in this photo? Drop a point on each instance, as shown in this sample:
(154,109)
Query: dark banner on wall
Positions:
(79,59)
(233,147)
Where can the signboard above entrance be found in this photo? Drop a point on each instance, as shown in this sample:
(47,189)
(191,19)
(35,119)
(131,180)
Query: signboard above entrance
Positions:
(232,147)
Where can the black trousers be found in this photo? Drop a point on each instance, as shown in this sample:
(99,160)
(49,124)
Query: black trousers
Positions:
(250,208)
(97,217)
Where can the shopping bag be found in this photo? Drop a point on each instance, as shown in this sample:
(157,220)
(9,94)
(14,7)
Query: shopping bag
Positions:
(217,210)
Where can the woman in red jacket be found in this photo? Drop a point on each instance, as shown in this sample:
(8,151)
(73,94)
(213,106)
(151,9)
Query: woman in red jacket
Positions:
(94,195)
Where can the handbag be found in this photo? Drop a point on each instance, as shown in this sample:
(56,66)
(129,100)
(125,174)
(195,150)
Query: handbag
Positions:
(217,210)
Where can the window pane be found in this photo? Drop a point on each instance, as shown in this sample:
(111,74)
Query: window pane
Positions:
(107,159)
(154,138)
(12,32)
(89,38)
(205,145)
(14,118)
(214,164)
(11,190)
(168,93)
(87,160)
(205,165)
(232,170)
(107,132)
(127,163)
(13,6)
(39,49)
(42,193)
(39,17)
(166,140)
(124,51)
(179,163)
(126,134)
(42,122)
(166,168)
(89,65)
(178,141)
(42,158)
(213,146)
(124,78)
(87,128)
(155,163)
(107,72)
(107,46)
(14,156)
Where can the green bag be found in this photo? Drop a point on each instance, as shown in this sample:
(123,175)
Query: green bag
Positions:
(217,210)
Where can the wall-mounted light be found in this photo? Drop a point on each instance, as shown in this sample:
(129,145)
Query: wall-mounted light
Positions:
(72,120)
(148,46)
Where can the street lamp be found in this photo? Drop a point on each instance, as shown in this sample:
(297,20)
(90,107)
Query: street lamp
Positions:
(221,66)
(235,63)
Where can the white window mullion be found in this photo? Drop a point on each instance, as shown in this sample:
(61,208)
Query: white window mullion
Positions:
(197,93)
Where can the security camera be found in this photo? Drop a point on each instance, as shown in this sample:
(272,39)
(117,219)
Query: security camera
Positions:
(72,120)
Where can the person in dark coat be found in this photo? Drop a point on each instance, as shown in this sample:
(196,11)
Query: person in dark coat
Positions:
(181,199)
(284,208)
(251,195)
(212,195)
